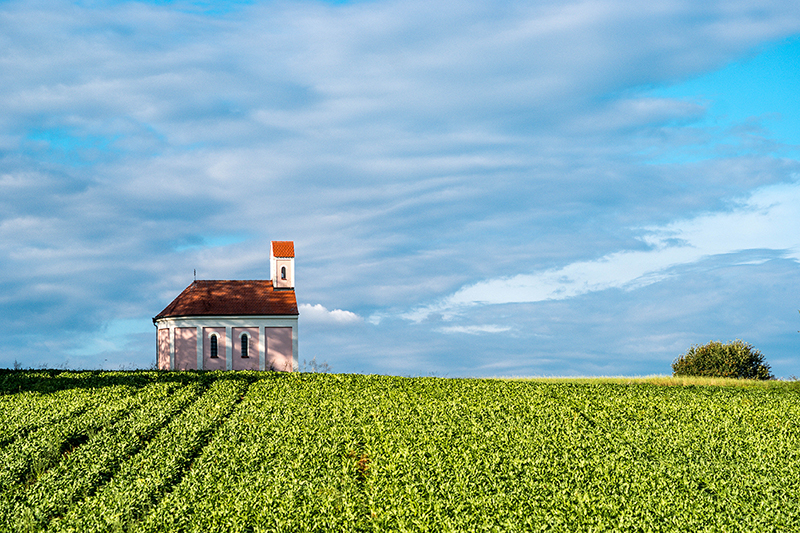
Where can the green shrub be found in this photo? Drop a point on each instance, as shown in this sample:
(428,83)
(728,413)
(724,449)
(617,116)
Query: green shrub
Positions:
(735,359)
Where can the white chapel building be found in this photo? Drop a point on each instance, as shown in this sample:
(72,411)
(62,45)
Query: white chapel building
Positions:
(233,324)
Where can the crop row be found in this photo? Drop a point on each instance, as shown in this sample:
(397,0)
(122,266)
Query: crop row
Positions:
(145,477)
(28,411)
(24,459)
(91,464)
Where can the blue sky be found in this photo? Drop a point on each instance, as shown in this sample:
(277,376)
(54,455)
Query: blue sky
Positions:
(474,188)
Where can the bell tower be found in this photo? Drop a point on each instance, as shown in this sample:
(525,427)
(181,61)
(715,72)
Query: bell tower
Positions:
(281,264)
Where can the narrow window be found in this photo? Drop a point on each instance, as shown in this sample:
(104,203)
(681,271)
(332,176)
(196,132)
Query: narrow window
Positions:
(214,346)
(245,350)
(283,272)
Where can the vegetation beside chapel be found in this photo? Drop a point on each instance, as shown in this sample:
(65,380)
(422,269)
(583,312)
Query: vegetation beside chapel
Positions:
(736,359)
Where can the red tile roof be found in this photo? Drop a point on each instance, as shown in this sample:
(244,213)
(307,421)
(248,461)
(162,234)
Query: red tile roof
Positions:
(231,297)
(283,248)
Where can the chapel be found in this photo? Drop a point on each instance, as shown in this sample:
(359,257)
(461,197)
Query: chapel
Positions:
(233,324)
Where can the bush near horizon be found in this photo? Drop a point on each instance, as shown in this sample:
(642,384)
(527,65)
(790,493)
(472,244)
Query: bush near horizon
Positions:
(736,359)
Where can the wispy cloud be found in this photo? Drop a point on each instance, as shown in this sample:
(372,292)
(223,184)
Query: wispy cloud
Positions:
(475,330)
(750,224)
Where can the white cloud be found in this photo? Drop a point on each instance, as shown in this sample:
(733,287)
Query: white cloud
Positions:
(765,220)
(475,330)
(318,314)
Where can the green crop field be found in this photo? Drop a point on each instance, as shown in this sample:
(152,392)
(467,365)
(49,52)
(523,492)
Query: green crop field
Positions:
(248,451)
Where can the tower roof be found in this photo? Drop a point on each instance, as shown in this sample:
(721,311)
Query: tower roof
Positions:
(283,248)
(231,297)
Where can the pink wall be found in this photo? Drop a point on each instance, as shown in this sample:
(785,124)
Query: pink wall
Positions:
(250,362)
(163,349)
(279,349)
(185,348)
(208,362)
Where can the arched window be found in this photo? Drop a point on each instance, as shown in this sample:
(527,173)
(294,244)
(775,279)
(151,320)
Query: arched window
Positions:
(283,272)
(245,346)
(214,350)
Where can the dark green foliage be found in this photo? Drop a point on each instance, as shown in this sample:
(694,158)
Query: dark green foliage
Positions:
(735,359)
(257,452)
